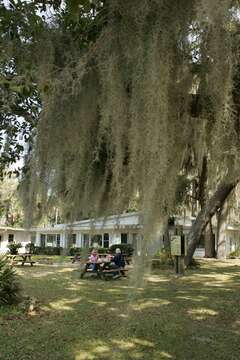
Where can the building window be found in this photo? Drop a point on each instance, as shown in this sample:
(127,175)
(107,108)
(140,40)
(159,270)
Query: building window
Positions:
(58,237)
(73,240)
(51,239)
(124,238)
(106,240)
(86,240)
(10,238)
(42,240)
(96,240)
(33,238)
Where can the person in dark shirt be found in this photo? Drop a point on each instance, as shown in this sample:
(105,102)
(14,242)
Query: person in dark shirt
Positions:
(118,262)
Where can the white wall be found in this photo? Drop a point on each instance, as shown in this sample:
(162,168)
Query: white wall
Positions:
(23,237)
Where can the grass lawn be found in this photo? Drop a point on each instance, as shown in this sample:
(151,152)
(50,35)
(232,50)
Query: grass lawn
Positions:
(56,259)
(193,317)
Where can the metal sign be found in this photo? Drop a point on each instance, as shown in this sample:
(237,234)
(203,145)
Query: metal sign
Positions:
(176,245)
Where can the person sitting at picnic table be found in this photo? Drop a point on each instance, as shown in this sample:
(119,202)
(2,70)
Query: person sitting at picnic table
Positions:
(94,258)
(118,262)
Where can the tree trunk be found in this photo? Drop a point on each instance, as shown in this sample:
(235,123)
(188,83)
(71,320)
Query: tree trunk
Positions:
(208,236)
(221,234)
(202,195)
(212,205)
(167,243)
(209,240)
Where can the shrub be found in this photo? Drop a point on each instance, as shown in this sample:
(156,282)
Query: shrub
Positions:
(13,248)
(9,288)
(125,248)
(30,248)
(48,250)
(165,257)
(74,251)
(100,250)
(234,254)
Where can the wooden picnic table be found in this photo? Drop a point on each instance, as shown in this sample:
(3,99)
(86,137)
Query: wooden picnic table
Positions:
(103,268)
(78,257)
(25,258)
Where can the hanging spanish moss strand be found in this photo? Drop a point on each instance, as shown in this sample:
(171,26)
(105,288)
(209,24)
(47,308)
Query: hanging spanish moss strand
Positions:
(116,124)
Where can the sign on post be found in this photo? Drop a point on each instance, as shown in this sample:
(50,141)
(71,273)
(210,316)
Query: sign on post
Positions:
(176,245)
(179,250)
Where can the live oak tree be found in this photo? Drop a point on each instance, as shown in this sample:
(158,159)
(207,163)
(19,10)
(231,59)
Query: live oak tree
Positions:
(129,92)
(19,96)
(11,213)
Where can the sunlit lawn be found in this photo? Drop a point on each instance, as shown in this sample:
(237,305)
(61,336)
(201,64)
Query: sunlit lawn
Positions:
(193,317)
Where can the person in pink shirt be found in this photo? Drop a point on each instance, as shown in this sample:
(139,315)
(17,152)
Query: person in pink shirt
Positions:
(94,259)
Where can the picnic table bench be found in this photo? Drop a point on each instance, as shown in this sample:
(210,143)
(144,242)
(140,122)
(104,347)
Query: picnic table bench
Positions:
(78,258)
(112,271)
(75,258)
(103,269)
(21,258)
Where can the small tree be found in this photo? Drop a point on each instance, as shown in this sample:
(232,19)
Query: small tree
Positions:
(13,248)
(30,248)
(9,288)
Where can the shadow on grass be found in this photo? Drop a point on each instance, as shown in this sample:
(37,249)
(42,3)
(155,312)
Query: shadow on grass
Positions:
(193,317)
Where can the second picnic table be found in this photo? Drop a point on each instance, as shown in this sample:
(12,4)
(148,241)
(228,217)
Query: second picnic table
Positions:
(25,258)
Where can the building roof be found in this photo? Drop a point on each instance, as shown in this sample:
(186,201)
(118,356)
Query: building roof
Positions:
(123,221)
(9,228)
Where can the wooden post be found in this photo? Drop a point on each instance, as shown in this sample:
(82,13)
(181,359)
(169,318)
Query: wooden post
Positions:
(179,259)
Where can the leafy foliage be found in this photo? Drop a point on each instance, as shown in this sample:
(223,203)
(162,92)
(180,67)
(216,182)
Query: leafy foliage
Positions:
(75,251)
(13,248)
(11,212)
(47,250)
(30,248)
(9,288)
(123,117)
(133,97)
(20,102)
(125,249)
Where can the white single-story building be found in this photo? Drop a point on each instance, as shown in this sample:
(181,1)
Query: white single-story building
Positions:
(104,232)
(9,235)
(117,229)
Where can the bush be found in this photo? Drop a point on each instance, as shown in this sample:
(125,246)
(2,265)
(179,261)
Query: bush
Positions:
(125,248)
(165,257)
(9,288)
(48,250)
(13,248)
(100,250)
(75,251)
(234,254)
(30,248)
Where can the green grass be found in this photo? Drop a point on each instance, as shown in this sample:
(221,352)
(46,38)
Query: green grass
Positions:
(193,317)
(52,259)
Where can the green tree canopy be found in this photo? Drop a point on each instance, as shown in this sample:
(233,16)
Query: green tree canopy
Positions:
(132,94)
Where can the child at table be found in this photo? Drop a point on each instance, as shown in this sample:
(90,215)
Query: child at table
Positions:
(94,259)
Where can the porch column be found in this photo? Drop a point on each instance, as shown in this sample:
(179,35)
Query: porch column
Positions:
(38,239)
